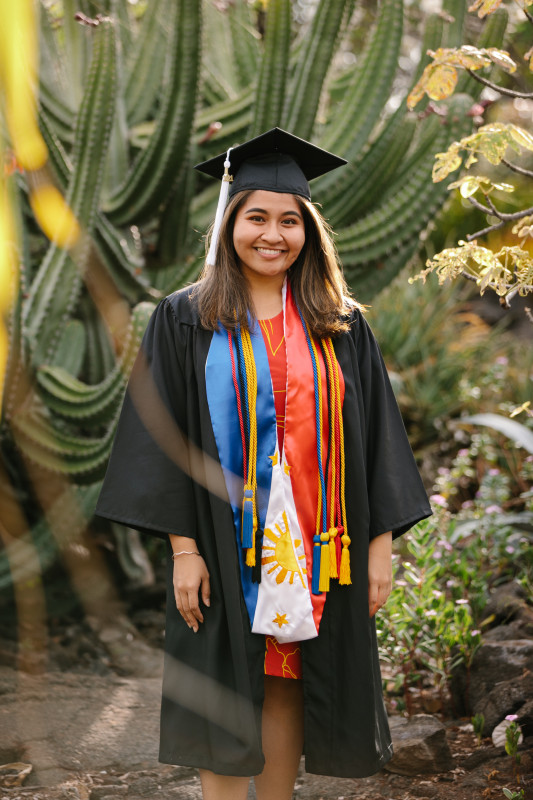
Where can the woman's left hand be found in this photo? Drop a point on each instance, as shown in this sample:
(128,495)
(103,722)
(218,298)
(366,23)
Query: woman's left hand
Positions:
(379,571)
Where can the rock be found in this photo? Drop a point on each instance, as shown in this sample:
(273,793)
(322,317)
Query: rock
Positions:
(505,603)
(520,628)
(420,746)
(495,662)
(525,718)
(507,697)
(145,786)
(111,790)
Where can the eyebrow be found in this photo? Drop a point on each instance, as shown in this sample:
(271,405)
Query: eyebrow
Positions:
(262,211)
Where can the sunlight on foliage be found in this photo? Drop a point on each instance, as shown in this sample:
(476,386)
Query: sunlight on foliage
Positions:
(439,79)
(490,141)
(524,228)
(508,271)
(485,7)
(468,185)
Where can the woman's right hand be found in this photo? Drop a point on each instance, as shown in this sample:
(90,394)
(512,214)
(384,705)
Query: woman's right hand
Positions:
(190,579)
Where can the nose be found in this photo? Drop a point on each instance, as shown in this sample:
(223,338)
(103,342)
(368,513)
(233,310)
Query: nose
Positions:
(271,232)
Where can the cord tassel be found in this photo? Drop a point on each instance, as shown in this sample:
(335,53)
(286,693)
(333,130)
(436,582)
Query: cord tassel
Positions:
(248,519)
(324,562)
(315,580)
(250,556)
(345,576)
(333,566)
(256,568)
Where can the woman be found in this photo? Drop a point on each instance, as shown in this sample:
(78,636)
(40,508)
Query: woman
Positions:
(261,439)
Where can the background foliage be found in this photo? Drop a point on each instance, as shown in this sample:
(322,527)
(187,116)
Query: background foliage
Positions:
(130,97)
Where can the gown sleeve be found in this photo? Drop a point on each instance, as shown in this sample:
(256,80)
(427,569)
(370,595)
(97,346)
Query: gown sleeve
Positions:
(396,495)
(147,484)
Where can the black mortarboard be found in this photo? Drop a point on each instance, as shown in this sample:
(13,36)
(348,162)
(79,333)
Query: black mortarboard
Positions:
(275,161)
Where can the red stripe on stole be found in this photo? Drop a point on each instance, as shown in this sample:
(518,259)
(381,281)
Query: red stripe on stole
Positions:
(300,435)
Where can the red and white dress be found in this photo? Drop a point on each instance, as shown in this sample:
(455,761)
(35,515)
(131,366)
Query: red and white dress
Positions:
(281,659)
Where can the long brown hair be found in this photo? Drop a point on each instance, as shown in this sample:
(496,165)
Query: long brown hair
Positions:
(316,278)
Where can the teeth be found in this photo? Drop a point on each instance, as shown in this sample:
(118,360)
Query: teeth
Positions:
(268,252)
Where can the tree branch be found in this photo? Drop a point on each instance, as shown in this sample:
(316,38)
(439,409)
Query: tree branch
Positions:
(514,289)
(500,89)
(493,211)
(521,171)
(495,227)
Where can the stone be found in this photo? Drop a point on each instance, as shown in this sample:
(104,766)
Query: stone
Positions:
(519,628)
(505,602)
(420,746)
(493,663)
(507,697)
(108,791)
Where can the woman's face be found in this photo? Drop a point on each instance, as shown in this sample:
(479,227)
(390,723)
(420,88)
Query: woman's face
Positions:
(268,234)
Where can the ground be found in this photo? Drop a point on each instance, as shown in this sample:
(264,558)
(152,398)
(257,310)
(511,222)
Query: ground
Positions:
(84,713)
(89,737)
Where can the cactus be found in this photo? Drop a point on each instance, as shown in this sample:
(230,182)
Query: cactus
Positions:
(126,107)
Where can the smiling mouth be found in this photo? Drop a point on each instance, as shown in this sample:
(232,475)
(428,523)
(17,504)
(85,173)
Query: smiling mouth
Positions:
(268,252)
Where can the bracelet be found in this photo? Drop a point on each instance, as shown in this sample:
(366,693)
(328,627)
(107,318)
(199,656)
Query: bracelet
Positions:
(185,553)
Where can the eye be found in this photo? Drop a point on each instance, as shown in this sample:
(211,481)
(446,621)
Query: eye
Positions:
(256,218)
(290,221)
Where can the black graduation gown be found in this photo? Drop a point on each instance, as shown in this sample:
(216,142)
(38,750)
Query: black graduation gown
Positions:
(164,477)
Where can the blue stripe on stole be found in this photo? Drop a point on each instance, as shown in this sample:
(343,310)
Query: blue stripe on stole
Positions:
(222,404)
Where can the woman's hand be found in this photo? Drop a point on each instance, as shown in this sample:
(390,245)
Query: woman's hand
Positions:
(190,578)
(379,571)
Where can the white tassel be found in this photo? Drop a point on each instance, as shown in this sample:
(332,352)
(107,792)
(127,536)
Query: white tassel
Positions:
(221,207)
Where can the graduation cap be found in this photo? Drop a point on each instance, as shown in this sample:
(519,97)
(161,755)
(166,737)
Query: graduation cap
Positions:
(275,161)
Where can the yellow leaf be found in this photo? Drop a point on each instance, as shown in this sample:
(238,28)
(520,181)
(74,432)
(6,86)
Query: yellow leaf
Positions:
(501,58)
(521,136)
(469,187)
(503,187)
(415,96)
(529,57)
(470,57)
(419,89)
(441,82)
(445,163)
(518,410)
(484,7)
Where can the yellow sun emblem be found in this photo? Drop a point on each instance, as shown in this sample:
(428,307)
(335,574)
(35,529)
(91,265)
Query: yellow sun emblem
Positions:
(282,553)
(281,620)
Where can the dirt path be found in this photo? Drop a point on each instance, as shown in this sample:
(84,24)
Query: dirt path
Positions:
(91,737)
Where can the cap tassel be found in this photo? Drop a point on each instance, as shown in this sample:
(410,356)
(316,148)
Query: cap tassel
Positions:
(221,207)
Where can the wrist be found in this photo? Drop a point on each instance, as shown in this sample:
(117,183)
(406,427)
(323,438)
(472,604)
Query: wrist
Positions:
(178,542)
(185,553)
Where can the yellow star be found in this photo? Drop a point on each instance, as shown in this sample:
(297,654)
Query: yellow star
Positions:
(281,620)
(286,467)
(274,459)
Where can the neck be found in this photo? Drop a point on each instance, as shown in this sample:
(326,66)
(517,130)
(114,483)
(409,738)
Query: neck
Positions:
(267,295)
